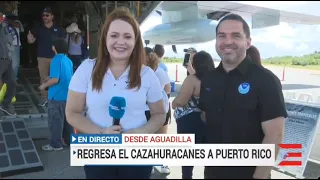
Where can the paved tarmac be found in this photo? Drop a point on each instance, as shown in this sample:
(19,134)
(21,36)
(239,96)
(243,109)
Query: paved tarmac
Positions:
(57,166)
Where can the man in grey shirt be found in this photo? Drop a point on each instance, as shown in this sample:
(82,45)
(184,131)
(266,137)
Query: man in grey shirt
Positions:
(6,71)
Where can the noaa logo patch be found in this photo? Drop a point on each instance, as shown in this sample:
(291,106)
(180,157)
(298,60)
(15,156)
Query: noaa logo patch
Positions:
(244,88)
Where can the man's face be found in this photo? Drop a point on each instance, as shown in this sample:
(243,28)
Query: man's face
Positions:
(47,17)
(231,42)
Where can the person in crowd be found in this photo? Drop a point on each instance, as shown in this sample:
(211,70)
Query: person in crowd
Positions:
(254,54)
(159,50)
(61,71)
(242,101)
(6,72)
(186,104)
(153,61)
(15,32)
(76,43)
(192,51)
(44,34)
(117,71)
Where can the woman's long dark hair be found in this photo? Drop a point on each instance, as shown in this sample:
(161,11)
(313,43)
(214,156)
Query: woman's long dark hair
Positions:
(254,53)
(202,63)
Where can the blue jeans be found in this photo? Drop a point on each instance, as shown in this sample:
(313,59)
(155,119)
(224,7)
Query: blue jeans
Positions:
(191,124)
(58,125)
(76,60)
(16,61)
(118,172)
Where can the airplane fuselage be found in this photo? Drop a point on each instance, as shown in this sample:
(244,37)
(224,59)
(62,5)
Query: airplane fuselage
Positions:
(182,32)
(195,21)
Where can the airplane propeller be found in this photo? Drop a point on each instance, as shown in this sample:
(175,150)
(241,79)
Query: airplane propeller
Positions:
(174,49)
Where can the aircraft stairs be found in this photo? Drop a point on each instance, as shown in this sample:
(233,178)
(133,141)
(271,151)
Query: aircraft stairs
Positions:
(18,154)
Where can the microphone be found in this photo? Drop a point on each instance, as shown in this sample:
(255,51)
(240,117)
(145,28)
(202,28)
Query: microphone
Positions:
(117,109)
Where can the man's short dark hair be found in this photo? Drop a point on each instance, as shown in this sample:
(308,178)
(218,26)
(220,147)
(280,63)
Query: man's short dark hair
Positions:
(148,50)
(235,17)
(60,45)
(159,50)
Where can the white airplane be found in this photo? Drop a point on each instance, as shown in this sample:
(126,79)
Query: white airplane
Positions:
(190,22)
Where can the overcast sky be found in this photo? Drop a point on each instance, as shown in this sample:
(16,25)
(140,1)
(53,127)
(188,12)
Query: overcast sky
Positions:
(281,40)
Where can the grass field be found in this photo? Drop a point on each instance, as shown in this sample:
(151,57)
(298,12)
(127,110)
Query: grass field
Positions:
(309,62)
(310,67)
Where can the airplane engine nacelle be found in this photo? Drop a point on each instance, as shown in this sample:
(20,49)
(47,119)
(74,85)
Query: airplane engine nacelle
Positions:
(182,32)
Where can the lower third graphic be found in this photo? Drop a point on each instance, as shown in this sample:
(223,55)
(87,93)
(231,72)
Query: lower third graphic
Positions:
(288,155)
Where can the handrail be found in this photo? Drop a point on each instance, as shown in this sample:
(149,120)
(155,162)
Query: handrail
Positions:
(138,8)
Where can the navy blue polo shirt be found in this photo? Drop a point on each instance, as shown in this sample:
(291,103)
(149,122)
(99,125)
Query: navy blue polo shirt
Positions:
(44,38)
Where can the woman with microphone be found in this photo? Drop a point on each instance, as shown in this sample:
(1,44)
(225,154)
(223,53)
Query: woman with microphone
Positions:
(118,71)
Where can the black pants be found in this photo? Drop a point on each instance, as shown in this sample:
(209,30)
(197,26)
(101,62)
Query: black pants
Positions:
(7,77)
(76,60)
(191,124)
(118,172)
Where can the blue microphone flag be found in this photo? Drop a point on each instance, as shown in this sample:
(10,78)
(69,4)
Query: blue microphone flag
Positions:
(117,107)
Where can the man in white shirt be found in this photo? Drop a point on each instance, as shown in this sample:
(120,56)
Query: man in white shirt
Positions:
(159,50)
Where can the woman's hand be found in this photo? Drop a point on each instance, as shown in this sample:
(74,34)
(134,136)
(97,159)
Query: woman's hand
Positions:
(116,129)
(190,68)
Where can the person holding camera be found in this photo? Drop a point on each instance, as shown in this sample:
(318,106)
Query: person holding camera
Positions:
(185,105)
(190,52)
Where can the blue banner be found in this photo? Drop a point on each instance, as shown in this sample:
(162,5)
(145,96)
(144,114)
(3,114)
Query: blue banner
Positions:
(96,139)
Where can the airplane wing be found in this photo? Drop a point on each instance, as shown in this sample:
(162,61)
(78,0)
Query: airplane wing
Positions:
(261,17)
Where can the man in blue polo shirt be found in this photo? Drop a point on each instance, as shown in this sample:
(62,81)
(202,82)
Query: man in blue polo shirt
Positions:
(61,71)
(44,36)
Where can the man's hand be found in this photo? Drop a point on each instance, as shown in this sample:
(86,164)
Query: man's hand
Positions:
(274,132)
(42,87)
